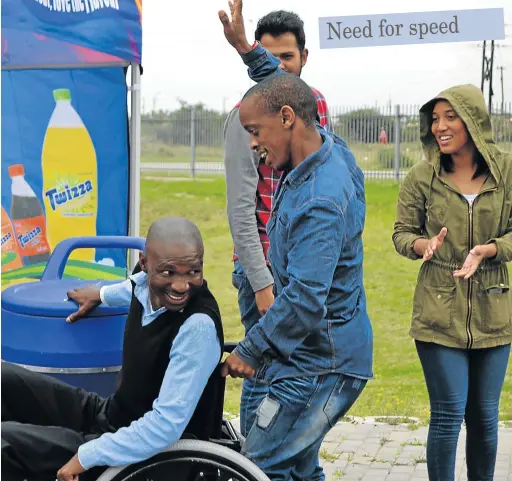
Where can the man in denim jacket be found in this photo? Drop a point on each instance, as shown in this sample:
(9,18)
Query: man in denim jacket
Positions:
(312,351)
(251,185)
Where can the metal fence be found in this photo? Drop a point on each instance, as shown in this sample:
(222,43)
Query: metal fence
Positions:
(384,140)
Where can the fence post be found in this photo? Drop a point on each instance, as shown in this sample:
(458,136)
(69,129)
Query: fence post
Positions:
(396,163)
(193,142)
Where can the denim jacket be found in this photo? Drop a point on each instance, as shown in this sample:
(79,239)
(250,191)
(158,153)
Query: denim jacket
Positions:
(318,323)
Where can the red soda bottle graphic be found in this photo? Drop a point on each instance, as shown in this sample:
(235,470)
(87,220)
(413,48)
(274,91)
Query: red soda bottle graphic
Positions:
(28,218)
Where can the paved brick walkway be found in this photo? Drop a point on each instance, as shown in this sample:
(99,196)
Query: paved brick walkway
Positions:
(365,450)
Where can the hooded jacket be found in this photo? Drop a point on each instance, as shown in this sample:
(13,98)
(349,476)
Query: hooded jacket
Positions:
(473,313)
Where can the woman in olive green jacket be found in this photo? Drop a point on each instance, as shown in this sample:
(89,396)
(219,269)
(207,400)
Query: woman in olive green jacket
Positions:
(455,213)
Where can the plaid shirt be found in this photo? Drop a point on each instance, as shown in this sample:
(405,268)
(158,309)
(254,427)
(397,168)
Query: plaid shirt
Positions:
(269,179)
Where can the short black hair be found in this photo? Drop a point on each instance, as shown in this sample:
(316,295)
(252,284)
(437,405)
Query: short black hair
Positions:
(282,89)
(280,21)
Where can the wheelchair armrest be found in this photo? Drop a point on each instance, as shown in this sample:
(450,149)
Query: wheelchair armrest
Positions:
(229,347)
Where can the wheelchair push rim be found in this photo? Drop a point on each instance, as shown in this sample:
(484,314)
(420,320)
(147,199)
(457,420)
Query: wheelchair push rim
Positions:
(190,460)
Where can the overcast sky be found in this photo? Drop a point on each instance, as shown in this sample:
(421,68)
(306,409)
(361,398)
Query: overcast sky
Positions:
(186,56)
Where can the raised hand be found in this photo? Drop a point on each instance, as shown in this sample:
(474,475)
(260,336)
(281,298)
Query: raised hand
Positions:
(435,243)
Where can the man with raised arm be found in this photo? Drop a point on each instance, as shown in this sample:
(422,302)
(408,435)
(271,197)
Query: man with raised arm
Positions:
(311,352)
(251,185)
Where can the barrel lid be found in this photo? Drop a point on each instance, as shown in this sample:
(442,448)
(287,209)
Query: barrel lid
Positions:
(49,299)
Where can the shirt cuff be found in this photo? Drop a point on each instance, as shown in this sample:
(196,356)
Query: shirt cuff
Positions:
(249,352)
(412,254)
(255,58)
(87,455)
(261,279)
(498,258)
(241,353)
(102,295)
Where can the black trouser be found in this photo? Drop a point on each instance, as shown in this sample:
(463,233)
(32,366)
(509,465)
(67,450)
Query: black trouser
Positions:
(44,421)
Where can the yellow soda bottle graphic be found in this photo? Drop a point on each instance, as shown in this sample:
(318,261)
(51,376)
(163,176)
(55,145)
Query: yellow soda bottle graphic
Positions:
(70,177)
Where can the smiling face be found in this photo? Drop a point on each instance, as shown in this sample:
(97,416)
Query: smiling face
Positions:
(270,132)
(175,273)
(449,129)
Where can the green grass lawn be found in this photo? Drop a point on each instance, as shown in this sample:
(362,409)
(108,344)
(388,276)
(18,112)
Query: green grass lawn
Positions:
(180,153)
(398,388)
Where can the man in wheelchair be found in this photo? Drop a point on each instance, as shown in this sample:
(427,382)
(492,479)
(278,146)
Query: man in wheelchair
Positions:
(173,344)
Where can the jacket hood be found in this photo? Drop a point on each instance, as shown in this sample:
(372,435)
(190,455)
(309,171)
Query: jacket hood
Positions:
(469,103)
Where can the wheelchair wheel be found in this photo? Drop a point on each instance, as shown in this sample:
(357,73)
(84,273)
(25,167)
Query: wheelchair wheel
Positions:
(190,460)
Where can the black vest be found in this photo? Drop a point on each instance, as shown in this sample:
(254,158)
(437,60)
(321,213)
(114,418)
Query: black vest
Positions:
(146,358)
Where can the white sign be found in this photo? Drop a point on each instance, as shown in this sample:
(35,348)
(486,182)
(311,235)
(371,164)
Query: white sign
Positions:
(412,28)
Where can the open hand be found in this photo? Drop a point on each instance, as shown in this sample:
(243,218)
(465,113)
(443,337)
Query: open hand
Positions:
(234,30)
(71,470)
(435,243)
(87,298)
(235,367)
(471,263)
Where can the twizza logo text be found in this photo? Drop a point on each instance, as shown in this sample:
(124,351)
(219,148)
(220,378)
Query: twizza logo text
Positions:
(68,193)
(30,237)
(6,238)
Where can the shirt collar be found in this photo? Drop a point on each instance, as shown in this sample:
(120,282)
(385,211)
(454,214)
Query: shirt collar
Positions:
(299,174)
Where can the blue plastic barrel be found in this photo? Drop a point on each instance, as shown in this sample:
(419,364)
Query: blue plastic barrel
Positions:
(35,334)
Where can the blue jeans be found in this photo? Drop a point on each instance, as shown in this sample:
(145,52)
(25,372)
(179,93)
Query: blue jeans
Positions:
(250,316)
(286,421)
(246,298)
(463,385)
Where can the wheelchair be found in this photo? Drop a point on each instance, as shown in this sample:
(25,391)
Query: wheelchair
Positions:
(211,454)
(207,452)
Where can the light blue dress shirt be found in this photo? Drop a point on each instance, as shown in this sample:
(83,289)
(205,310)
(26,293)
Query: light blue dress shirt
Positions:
(194,355)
